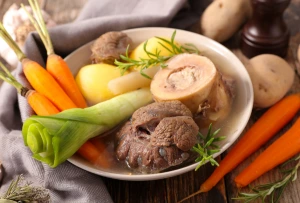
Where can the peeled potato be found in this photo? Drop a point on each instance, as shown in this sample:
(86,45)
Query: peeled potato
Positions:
(271,77)
(93,80)
(153,44)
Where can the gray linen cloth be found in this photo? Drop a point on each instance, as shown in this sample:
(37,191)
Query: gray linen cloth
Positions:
(68,183)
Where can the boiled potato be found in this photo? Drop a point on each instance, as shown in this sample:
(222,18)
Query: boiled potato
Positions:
(153,44)
(93,79)
(271,77)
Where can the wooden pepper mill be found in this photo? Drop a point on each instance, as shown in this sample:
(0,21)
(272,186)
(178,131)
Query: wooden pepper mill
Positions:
(266,32)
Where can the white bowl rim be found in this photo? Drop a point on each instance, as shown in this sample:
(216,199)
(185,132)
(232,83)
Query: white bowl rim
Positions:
(167,174)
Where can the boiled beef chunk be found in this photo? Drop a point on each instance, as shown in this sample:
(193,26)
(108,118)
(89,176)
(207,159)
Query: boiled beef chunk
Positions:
(157,137)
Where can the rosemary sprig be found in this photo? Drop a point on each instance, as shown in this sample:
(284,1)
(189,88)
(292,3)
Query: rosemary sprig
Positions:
(19,192)
(206,148)
(154,58)
(273,190)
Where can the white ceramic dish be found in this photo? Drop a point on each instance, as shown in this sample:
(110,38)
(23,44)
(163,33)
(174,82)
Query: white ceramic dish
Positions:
(224,59)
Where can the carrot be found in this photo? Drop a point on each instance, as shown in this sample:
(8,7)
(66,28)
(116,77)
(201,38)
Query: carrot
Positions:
(45,84)
(39,103)
(95,155)
(56,66)
(59,69)
(38,77)
(260,132)
(284,148)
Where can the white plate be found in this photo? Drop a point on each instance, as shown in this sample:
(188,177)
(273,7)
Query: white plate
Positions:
(224,60)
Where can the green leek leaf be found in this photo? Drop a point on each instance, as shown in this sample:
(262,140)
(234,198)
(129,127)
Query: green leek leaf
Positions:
(53,139)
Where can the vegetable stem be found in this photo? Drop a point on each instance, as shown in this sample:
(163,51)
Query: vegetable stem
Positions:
(39,24)
(8,39)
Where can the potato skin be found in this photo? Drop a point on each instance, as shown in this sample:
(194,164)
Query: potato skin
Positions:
(222,18)
(271,77)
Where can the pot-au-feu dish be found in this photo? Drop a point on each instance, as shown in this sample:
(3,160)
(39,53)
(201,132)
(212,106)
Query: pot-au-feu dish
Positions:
(187,91)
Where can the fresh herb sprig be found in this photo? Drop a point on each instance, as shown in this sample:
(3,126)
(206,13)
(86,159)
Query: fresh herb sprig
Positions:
(19,192)
(206,148)
(273,190)
(154,58)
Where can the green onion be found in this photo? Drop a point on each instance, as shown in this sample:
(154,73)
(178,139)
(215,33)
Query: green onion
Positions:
(53,139)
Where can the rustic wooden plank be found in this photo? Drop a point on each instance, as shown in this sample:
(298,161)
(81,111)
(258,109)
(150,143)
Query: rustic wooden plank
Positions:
(167,190)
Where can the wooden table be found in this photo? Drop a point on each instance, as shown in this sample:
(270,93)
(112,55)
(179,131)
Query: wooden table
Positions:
(175,188)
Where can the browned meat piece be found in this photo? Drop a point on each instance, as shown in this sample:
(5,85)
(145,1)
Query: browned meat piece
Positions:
(157,137)
(109,47)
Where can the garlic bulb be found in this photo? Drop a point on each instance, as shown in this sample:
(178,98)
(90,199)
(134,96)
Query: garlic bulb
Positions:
(18,25)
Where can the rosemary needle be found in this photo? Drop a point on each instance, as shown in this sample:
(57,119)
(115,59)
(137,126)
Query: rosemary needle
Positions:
(19,192)
(206,148)
(154,58)
(273,190)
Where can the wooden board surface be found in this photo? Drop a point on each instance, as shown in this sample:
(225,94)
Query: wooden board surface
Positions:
(175,188)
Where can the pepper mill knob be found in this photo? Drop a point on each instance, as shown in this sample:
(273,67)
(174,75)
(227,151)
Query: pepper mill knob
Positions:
(266,32)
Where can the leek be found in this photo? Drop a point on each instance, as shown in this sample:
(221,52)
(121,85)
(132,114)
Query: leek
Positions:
(53,139)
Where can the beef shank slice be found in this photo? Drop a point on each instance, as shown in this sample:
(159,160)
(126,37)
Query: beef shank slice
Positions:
(157,137)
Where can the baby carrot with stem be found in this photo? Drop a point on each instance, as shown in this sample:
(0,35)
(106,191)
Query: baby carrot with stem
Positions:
(59,69)
(56,66)
(38,77)
(284,148)
(260,132)
(41,80)
(39,103)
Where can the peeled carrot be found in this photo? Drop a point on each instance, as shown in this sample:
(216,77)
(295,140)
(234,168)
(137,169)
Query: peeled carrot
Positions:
(56,66)
(95,155)
(260,132)
(45,84)
(39,103)
(59,69)
(284,148)
(38,77)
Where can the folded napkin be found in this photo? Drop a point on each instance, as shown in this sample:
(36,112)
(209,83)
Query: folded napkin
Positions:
(68,183)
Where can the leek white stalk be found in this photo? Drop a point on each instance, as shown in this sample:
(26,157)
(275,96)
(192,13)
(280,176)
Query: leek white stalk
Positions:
(53,139)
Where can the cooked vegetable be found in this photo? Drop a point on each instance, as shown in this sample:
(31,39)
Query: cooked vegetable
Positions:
(195,81)
(53,139)
(222,18)
(284,148)
(109,46)
(153,57)
(93,82)
(38,77)
(153,45)
(259,133)
(94,154)
(273,190)
(132,81)
(271,77)
(38,102)
(56,66)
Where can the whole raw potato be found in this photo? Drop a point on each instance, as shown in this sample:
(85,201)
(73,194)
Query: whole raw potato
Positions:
(271,77)
(222,18)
